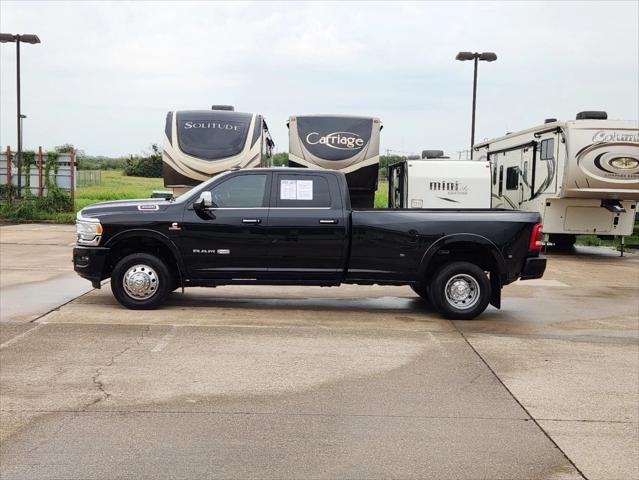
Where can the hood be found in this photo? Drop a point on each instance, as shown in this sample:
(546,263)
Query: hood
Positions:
(125,206)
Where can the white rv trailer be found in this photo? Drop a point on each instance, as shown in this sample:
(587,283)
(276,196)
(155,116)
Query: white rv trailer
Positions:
(435,181)
(349,144)
(581,175)
(201,143)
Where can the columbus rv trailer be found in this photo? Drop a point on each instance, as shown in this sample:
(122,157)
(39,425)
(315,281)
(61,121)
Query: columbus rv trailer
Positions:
(582,175)
(349,144)
(435,181)
(201,143)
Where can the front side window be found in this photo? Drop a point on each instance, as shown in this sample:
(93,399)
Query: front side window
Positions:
(242,191)
(302,191)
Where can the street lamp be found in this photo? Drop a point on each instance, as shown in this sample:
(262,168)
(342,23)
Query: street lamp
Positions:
(484,57)
(17,39)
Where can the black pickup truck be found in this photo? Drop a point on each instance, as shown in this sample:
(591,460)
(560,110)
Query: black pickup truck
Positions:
(287,226)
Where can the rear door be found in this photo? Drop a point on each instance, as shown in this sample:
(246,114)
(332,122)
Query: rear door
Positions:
(229,240)
(307,227)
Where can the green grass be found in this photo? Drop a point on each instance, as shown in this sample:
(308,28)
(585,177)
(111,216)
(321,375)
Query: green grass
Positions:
(631,241)
(381,195)
(114,186)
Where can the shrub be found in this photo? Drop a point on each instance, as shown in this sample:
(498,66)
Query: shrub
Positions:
(146,166)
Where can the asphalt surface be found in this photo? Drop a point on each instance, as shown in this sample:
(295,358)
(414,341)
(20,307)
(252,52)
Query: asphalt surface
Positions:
(288,382)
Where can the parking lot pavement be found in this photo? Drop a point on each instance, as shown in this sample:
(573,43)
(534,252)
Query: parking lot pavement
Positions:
(309,382)
(573,360)
(36,274)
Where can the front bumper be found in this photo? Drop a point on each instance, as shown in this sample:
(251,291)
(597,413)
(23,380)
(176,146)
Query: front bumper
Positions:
(534,267)
(89,263)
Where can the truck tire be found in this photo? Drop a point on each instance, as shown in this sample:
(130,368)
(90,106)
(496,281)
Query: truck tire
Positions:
(460,291)
(141,281)
(421,290)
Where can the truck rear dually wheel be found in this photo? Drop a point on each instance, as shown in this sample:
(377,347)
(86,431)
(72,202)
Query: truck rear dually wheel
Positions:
(460,291)
(141,281)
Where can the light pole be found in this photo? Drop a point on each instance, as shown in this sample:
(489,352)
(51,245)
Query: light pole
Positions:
(17,39)
(485,57)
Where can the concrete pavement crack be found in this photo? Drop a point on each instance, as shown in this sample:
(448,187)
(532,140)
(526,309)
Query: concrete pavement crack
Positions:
(99,384)
(43,441)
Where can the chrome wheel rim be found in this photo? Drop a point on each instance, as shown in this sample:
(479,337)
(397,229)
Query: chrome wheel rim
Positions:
(462,291)
(140,282)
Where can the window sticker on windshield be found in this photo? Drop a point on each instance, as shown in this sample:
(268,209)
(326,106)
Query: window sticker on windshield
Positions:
(296,189)
(288,190)
(305,189)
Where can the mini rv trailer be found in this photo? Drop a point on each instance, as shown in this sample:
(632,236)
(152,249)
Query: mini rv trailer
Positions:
(349,144)
(199,144)
(435,181)
(581,175)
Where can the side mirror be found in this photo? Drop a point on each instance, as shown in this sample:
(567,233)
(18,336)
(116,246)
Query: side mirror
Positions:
(204,201)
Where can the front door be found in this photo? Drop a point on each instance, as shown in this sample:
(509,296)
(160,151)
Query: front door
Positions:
(307,227)
(228,240)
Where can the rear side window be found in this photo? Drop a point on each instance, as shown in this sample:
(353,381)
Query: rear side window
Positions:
(547,149)
(242,191)
(302,191)
(512,178)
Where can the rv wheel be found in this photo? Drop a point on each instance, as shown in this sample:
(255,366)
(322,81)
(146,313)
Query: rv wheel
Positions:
(460,291)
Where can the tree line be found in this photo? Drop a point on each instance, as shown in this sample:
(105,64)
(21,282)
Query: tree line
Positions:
(149,163)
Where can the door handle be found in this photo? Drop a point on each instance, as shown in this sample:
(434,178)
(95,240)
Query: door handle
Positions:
(251,220)
(328,221)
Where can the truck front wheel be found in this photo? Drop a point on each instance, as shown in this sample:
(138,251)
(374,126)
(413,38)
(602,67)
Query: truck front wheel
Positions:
(460,291)
(141,281)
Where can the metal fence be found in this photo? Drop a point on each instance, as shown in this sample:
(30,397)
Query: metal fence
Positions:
(86,178)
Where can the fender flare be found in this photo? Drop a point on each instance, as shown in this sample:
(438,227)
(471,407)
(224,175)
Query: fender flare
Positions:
(467,238)
(147,233)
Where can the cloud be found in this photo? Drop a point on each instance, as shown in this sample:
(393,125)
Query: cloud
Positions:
(106,73)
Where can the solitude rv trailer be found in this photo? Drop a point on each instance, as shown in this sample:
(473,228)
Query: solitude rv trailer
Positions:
(435,181)
(581,175)
(346,143)
(201,143)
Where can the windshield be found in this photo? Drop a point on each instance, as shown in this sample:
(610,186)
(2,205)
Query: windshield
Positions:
(211,135)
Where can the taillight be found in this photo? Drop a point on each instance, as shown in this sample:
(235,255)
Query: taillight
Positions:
(536,237)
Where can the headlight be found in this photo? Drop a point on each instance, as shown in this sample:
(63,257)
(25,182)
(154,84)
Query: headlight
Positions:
(89,230)
(624,163)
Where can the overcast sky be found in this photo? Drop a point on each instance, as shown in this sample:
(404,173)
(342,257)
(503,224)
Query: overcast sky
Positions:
(106,73)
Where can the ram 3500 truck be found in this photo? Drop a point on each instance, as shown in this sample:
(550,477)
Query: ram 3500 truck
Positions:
(287,226)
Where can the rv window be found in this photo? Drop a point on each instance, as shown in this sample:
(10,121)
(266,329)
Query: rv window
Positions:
(547,149)
(494,165)
(525,174)
(512,178)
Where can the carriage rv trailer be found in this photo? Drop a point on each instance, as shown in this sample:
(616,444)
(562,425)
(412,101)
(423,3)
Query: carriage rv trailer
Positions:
(346,143)
(436,181)
(199,144)
(582,175)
